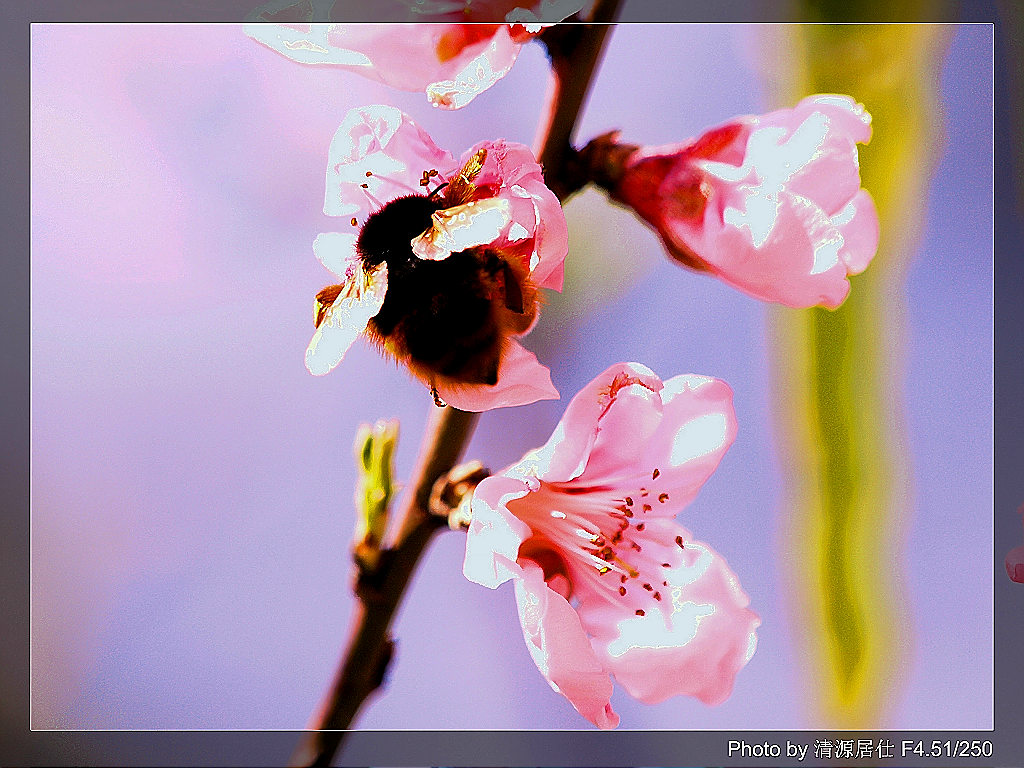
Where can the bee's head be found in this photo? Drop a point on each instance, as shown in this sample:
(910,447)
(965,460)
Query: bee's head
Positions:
(387,234)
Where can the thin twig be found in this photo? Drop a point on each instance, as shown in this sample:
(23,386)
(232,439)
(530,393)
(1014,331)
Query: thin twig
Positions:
(369,647)
(574,50)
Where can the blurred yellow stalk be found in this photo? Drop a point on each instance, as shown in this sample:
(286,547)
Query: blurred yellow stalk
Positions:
(839,379)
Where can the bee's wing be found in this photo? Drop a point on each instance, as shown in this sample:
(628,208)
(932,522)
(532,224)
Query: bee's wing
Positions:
(361,299)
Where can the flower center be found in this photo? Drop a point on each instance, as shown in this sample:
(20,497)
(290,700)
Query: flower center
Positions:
(605,543)
(387,234)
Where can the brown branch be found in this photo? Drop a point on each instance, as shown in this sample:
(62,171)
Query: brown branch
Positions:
(574,50)
(369,649)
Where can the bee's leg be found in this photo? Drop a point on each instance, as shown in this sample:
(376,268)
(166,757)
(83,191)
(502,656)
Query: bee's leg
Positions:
(437,190)
(513,291)
(437,398)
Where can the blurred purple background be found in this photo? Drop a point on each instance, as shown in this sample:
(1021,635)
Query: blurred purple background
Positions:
(192,483)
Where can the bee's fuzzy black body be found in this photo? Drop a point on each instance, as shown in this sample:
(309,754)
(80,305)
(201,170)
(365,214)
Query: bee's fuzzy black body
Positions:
(443,318)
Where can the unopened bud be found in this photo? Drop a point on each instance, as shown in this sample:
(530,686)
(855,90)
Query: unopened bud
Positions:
(374,453)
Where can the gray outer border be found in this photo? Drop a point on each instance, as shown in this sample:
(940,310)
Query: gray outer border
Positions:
(19,746)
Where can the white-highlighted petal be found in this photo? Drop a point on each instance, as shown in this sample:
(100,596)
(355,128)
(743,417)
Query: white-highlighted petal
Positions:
(306,45)
(378,154)
(464,226)
(826,254)
(518,232)
(699,437)
(360,299)
(336,251)
(489,66)
(649,631)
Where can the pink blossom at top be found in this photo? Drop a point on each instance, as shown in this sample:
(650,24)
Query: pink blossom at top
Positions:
(452,63)
(493,197)
(607,583)
(1015,559)
(771,204)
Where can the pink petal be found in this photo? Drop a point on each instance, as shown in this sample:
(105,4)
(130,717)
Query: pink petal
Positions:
(521,380)
(405,56)
(846,115)
(725,143)
(696,647)
(551,239)
(682,433)
(830,176)
(495,534)
(561,650)
(632,417)
(491,62)
(567,451)
(536,212)
(411,57)
(386,144)
(798,263)
(1015,564)
(308,44)
(698,427)
(858,224)
(508,164)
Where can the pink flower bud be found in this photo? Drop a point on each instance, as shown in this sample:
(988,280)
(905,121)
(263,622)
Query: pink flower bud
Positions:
(771,204)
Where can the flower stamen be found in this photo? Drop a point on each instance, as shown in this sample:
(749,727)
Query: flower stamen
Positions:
(377,204)
(461,188)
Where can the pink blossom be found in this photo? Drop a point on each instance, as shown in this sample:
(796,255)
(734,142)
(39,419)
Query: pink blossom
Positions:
(771,204)
(1015,559)
(452,63)
(607,583)
(490,208)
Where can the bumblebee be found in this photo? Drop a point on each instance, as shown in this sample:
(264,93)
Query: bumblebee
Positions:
(447,319)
